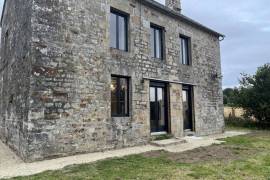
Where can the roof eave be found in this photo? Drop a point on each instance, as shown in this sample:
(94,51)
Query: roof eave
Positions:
(168,11)
(160,7)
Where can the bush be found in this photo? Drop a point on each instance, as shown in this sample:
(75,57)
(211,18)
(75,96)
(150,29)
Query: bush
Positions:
(254,94)
(246,123)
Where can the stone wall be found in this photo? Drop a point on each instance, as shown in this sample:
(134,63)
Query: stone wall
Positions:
(71,67)
(15,75)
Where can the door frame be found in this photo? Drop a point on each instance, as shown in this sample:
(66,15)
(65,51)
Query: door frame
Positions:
(164,85)
(190,88)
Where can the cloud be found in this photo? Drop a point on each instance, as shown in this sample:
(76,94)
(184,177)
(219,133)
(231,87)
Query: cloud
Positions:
(246,24)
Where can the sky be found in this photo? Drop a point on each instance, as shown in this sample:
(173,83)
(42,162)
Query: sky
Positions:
(246,24)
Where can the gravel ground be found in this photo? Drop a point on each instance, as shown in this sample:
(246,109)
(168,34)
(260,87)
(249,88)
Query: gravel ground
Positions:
(7,157)
(12,166)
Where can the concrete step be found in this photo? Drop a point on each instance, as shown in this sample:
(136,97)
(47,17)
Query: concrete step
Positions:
(189,133)
(168,142)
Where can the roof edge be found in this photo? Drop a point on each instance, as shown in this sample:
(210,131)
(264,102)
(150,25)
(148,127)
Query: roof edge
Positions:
(160,7)
(155,5)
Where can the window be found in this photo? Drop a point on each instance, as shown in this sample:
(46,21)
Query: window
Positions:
(118,30)
(185,50)
(119,96)
(157,42)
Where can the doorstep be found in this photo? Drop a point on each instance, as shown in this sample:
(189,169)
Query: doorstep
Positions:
(168,142)
(189,132)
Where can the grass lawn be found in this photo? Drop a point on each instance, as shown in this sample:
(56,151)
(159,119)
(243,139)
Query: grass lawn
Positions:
(242,157)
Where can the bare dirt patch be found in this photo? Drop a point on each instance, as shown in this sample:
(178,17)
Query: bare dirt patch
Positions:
(205,154)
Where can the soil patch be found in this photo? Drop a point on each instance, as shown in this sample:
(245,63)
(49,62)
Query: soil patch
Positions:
(205,154)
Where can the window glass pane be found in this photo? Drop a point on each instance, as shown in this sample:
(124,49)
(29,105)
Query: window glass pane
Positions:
(158,43)
(184,96)
(124,95)
(123,89)
(122,33)
(114,106)
(153,42)
(113,31)
(152,94)
(161,107)
(120,96)
(184,51)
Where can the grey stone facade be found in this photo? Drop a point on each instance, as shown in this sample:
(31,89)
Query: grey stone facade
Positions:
(55,76)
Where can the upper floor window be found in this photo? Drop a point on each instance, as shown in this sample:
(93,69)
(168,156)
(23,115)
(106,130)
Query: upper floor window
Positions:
(119,96)
(157,42)
(118,30)
(185,50)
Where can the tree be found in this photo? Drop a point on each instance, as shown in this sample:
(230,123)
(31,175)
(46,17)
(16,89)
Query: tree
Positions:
(230,96)
(254,94)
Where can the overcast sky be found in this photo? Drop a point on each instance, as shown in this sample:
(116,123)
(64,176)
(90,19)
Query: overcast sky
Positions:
(246,24)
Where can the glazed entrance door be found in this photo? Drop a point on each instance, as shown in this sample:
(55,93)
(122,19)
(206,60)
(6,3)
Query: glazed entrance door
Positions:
(187,108)
(158,108)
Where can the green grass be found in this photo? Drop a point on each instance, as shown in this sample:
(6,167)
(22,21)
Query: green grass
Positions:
(245,124)
(252,162)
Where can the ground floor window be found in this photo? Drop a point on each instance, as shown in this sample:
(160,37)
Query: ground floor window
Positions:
(119,96)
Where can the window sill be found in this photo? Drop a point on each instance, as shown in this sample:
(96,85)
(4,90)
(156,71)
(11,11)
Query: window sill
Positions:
(119,52)
(126,118)
(185,65)
(158,60)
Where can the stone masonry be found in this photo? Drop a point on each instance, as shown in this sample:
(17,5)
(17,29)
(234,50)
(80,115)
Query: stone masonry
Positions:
(55,75)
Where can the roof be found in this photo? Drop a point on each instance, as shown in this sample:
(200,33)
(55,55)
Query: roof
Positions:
(164,9)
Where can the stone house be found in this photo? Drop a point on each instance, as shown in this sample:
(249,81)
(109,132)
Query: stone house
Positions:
(85,76)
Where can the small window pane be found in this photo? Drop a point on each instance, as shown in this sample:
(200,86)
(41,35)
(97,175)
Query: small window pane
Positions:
(122,33)
(153,42)
(113,34)
(158,44)
(118,31)
(152,94)
(114,96)
(123,89)
(120,96)
(184,50)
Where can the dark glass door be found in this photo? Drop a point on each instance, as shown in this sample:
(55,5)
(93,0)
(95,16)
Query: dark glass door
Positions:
(158,108)
(187,108)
